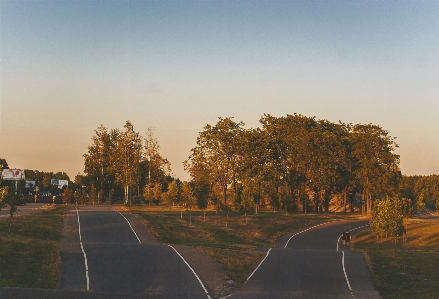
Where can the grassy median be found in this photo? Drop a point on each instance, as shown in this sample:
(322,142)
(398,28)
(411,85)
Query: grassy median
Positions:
(29,257)
(405,271)
(228,239)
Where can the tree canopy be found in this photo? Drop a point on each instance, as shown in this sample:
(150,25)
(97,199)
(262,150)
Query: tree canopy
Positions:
(295,161)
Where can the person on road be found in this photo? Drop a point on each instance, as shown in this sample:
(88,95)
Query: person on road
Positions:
(343,238)
(348,239)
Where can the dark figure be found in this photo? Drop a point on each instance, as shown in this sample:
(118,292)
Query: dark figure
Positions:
(348,239)
(343,238)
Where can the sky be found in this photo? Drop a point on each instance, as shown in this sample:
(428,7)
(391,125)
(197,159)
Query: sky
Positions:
(68,66)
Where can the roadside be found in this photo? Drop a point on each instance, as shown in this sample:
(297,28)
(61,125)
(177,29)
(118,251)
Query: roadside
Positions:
(412,265)
(28,254)
(29,208)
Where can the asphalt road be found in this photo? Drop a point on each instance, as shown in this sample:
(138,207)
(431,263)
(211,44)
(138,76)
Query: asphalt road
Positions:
(124,261)
(309,264)
(119,262)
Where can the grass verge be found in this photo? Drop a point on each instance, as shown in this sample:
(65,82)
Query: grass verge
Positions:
(405,271)
(229,240)
(28,254)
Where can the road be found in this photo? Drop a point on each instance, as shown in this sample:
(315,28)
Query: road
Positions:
(108,254)
(312,263)
(120,259)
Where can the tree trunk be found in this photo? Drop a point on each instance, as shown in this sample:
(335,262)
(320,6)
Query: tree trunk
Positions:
(344,200)
(225,194)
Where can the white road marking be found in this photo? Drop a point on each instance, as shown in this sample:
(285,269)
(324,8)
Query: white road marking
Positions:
(83,251)
(131,227)
(342,260)
(429,212)
(193,271)
(346,276)
(268,252)
(304,231)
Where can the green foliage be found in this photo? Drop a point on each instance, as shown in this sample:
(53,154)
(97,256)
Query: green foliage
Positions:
(247,205)
(295,159)
(173,192)
(420,203)
(67,195)
(117,159)
(158,191)
(388,216)
(187,195)
(148,192)
(202,195)
(93,194)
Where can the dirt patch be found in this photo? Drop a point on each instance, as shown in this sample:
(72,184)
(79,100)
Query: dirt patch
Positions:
(210,272)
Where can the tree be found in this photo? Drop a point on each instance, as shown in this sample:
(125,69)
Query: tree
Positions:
(127,157)
(172,193)
(420,203)
(93,194)
(3,190)
(12,198)
(97,160)
(157,165)
(202,195)
(215,157)
(188,199)
(148,192)
(158,192)
(388,217)
(67,195)
(377,167)
(247,205)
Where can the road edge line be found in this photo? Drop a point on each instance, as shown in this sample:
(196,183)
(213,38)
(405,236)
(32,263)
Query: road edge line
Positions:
(268,252)
(83,251)
(130,226)
(193,271)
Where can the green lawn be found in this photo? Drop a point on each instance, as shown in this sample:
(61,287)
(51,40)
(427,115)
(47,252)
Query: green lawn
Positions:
(414,271)
(29,257)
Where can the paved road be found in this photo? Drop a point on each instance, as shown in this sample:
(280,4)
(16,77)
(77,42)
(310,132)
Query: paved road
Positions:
(310,265)
(119,262)
(427,214)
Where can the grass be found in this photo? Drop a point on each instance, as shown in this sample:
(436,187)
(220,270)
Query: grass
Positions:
(226,239)
(29,257)
(413,271)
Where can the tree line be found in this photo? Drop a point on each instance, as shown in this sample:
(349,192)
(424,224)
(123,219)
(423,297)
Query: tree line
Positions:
(123,160)
(295,162)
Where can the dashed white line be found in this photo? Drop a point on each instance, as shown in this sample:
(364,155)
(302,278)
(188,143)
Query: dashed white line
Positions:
(429,212)
(83,251)
(131,227)
(345,275)
(193,271)
(259,265)
(342,259)
(305,231)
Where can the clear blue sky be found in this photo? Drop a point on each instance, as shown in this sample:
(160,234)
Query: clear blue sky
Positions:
(69,66)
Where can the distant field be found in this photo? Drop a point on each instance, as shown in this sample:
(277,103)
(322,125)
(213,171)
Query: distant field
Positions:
(414,271)
(29,257)
(228,240)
